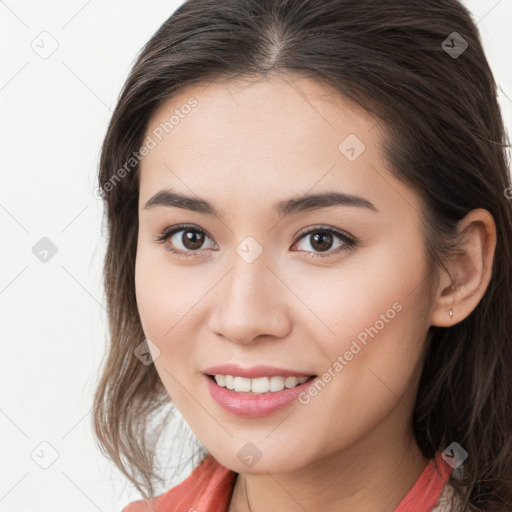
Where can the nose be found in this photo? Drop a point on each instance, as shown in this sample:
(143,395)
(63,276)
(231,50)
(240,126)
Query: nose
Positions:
(251,303)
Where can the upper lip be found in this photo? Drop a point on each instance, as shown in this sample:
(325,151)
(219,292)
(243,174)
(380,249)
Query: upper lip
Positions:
(253,372)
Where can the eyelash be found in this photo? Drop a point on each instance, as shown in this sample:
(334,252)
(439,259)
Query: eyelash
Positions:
(350,243)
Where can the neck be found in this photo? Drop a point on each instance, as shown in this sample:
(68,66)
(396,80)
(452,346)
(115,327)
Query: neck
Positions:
(372,477)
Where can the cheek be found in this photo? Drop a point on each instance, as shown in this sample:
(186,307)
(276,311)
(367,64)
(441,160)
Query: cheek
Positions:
(148,294)
(160,309)
(169,304)
(371,288)
(373,316)
(165,293)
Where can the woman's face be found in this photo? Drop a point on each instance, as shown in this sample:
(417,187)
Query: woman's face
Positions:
(266,168)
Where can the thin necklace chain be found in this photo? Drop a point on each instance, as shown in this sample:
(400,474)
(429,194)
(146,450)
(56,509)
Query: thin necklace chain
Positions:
(247,497)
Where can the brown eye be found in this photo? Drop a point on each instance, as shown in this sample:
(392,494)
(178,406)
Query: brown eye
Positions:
(321,240)
(184,240)
(192,239)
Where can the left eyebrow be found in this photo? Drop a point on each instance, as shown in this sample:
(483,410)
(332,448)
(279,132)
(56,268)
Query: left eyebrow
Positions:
(322,200)
(282,208)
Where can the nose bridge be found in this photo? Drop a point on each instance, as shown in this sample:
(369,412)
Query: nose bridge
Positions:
(248,305)
(246,289)
(249,272)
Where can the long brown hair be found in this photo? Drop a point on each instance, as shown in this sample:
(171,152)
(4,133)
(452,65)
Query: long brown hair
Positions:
(405,61)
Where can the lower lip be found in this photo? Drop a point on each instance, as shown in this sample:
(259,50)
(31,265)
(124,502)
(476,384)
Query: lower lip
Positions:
(253,406)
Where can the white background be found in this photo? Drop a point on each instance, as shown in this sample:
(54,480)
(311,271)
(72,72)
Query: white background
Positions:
(54,114)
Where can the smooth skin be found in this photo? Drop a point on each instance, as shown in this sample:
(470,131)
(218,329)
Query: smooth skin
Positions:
(301,303)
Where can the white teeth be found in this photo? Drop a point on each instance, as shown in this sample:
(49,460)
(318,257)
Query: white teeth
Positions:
(258,385)
(291,382)
(242,384)
(276,383)
(229,381)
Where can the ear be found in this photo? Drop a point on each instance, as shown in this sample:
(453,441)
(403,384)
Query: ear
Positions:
(471,270)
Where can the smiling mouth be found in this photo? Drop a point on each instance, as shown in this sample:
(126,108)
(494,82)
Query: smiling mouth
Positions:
(260,385)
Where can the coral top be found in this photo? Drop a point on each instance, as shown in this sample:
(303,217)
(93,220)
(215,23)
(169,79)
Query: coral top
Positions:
(210,485)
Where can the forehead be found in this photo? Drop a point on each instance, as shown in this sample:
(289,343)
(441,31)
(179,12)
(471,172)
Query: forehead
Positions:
(261,103)
(253,137)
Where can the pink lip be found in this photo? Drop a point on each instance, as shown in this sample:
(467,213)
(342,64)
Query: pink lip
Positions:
(254,372)
(250,405)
